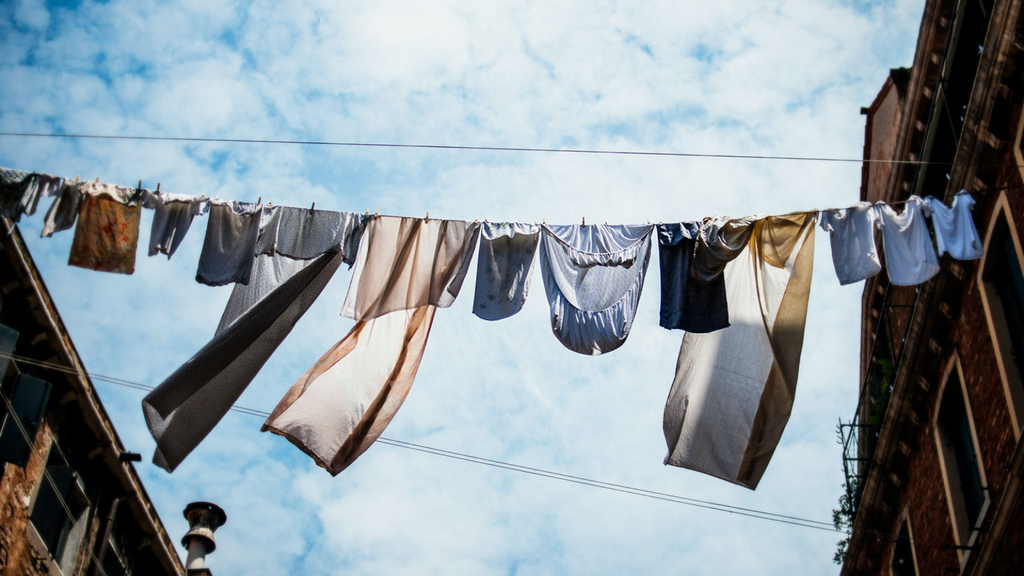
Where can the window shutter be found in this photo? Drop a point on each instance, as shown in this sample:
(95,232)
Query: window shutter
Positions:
(28,400)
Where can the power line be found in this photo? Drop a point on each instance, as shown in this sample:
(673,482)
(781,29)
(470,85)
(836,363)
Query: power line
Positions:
(477,148)
(695,502)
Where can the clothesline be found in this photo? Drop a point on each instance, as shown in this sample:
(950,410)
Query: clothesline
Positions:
(487,148)
(214,199)
(738,287)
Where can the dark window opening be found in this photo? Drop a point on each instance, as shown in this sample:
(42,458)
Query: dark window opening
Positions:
(59,511)
(1003,273)
(903,553)
(954,93)
(962,466)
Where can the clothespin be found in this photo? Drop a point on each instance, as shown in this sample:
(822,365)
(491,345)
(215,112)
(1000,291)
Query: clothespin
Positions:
(157,187)
(312,207)
(584,220)
(367,211)
(97,180)
(428,216)
(140,184)
(259,201)
(605,222)
(376,214)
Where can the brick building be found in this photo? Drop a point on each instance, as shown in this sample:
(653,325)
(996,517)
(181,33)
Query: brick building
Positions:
(933,453)
(70,499)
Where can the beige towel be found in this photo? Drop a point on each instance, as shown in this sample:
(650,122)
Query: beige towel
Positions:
(345,401)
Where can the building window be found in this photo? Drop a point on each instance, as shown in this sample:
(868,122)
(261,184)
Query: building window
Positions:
(1002,294)
(59,511)
(904,561)
(963,472)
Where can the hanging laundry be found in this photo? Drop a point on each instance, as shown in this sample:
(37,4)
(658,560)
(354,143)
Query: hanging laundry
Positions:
(406,268)
(232,230)
(107,232)
(12,193)
(504,268)
(185,407)
(302,233)
(172,217)
(593,276)
(909,253)
(63,213)
(37,186)
(343,403)
(408,263)
(734,388)
(693,256)
(852,235)
(954,227)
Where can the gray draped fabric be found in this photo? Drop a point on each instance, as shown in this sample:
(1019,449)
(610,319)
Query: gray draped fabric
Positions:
(593,276)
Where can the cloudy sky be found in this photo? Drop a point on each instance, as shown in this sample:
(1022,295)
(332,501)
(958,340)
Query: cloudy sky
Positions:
(786,77)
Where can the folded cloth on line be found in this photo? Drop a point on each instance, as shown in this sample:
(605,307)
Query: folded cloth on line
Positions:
(593,276)
(343,403)
(954,227)
(12,193)
(407,263)
(504,268)
(852,237)
(303,234)
(733,389)
(172,217)
(64,211)
(36,186)
(230,245)
(107,232)
(693,256)
(909,253)
(185,407)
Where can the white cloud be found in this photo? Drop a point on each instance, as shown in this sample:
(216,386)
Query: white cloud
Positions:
(782,78)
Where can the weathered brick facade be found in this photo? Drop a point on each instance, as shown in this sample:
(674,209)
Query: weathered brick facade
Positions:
(75,505)
(934,332)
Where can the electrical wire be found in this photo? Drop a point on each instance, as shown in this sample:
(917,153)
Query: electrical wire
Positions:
(695,502)
(481,148)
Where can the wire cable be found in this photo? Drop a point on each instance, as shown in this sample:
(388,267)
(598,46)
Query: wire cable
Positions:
(695,502)
(480,148)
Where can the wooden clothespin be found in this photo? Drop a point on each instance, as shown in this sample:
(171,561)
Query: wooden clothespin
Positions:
(376,214)
(97,180)
(312,207)
(584,220)
(157,187)
(140,184)
(259,201)
(367,211)
(428,216)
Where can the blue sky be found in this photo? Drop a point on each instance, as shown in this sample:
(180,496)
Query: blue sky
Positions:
(774,78)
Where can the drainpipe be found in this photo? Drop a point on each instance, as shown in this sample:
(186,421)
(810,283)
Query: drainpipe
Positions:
(105,529)
(203,519)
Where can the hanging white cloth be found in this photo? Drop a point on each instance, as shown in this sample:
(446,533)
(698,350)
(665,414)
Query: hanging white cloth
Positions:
(954,227)
(909,253)
(852,236)
(733,389)
(405,269)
